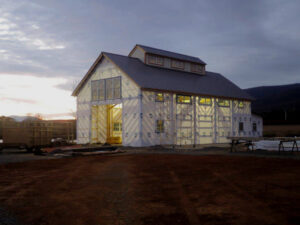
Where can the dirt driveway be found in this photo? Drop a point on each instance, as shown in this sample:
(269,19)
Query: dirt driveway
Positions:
(18,155)
(153,189)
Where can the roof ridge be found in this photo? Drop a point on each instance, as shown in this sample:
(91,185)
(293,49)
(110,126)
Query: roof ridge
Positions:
(168,51)
(170,54)
(113,53)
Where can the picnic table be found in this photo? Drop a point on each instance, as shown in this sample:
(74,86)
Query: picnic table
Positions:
(239,140)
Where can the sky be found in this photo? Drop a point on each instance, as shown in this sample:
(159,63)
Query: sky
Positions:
(46,46)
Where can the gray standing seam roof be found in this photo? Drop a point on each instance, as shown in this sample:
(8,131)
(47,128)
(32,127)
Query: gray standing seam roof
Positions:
(171,54)
(150,77)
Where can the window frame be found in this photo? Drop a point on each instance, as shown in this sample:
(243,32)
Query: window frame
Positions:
(159,128)
(194,65)
(156,97)
(119,124)
(120,88)
(177,67)
(241,125)
(104,90)
(96,84)
(225,106)
(109,89)
(156,61)
(177,97)
(241,107)
(94,90)
(254,125)
(205,101)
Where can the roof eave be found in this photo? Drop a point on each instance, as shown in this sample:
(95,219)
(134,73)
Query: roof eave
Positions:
(196,94)
(86,76)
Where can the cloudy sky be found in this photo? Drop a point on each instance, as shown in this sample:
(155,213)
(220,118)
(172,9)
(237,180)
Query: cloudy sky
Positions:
(46,46)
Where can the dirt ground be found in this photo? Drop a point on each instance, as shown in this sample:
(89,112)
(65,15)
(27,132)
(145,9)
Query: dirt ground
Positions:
(153,189)
(19,155)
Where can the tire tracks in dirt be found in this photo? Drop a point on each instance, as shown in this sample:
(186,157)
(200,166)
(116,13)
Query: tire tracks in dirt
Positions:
(184,199)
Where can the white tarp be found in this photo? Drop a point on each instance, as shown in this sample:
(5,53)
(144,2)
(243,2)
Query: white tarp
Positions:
(273,145)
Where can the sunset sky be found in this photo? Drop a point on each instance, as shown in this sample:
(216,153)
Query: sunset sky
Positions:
(46,46)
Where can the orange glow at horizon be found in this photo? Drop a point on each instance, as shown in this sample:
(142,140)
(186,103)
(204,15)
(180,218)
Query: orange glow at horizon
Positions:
(22,95)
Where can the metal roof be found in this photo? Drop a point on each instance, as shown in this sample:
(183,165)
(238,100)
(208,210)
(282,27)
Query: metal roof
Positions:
(155,78)
(171,54)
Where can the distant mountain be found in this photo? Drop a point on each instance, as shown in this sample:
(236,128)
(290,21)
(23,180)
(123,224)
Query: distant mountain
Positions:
(277,103)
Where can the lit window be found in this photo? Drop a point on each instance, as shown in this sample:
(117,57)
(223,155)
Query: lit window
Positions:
(204,101)
(156,60)
(186,99)
(241,104)
(177,64)
(160,126)
(117,126)
(159,97)
(241,126)
(254,127)
(223,103)
(196,68)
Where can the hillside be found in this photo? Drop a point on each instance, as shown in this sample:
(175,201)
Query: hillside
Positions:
(278,104)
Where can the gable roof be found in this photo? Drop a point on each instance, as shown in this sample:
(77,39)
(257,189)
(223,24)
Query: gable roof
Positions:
(86,76)
(174,55)
(163,79)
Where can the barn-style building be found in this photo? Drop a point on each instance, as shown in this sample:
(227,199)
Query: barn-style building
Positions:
(158,97)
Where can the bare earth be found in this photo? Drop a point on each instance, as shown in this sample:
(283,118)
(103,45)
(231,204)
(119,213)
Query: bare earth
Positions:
(153,189)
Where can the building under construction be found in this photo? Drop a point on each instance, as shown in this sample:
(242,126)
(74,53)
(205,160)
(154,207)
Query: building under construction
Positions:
(157,97)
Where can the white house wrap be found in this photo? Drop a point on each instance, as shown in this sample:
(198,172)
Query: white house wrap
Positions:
(157,97)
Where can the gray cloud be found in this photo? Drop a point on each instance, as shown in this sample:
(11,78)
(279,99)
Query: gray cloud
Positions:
(19,100)
(250,42)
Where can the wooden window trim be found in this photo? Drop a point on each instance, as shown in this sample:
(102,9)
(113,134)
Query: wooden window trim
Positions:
(196,71)
(176,67)
(156,64)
